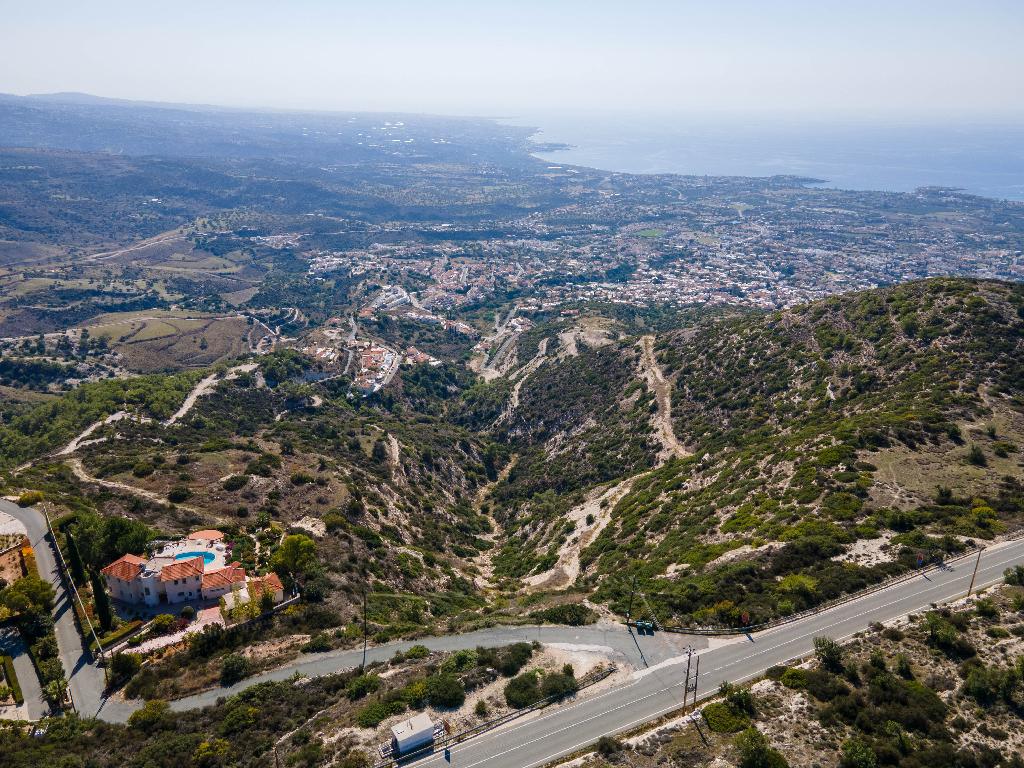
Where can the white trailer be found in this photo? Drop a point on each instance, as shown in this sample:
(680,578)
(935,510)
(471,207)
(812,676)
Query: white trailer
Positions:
(411,734)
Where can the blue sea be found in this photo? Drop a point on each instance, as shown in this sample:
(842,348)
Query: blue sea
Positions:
(984,158)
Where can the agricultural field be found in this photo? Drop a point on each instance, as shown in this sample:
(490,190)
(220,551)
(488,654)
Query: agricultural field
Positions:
(150,342)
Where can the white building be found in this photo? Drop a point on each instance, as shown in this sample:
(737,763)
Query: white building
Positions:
(184,571)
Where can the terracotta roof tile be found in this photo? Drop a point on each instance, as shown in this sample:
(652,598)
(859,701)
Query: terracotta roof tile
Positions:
(223,577)
(182,569)
(126,567)
(206,535)
(270,581)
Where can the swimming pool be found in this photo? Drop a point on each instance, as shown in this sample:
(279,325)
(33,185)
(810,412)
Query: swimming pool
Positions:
(208,557)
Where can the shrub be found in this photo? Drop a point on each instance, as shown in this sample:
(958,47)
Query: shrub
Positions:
(775,672)
(319,643)
(755,752)
(976,457)
(445,691)
(301,478)
(824,686)
(523,690)
(240,718)
(987,608)
(29,498)
(233,668)
(944,634)
(1014,575)
(740,699)
(415,693)
(178,494)
(481,709)
(573,615)
(794,678)
(829,653)
(460,661)
(361,685)
(374,714)
(903,668)
(722,718)
(417,652)
(235,482)
(892,633)
(188,613)
(150,716)
(513,658)
(857,754)
(12,680)
(123,667)
(142,469)
(163,623)
(608,746)
(558,685)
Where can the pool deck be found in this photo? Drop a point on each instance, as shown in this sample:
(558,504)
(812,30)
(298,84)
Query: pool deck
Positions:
(187,546)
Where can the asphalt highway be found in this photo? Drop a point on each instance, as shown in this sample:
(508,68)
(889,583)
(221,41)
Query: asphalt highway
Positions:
(659,689)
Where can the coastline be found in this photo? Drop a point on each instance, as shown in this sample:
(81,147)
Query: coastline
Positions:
(982,160)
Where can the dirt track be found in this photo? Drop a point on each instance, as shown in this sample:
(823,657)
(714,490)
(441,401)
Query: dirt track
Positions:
(663,396)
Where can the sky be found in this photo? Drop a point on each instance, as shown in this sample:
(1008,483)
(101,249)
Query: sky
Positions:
(902,58)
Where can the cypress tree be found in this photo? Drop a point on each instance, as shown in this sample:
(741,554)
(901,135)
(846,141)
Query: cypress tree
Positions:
(74,559)
(101,601)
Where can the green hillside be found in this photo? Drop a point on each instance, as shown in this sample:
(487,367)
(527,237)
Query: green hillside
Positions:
(833,445)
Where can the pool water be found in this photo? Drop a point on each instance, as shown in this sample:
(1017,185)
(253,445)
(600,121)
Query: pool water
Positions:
(207,557)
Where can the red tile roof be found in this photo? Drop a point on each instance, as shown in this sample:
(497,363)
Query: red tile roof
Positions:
(207,535)
(182,569)
(126,567)
(224,577)
(270,581)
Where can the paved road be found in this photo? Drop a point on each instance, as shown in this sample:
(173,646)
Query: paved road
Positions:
(656,688)
(85,678)
(659,690)
(11,644)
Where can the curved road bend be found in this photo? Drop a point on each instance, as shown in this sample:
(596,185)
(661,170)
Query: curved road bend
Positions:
(656,687)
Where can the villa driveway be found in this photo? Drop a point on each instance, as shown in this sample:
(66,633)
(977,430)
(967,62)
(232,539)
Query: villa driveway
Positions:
(86,680)
(11,644)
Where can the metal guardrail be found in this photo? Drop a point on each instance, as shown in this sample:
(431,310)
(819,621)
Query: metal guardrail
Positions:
(586,681)
(882,585)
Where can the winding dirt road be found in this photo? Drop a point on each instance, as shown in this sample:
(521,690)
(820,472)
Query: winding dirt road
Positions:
(205,387)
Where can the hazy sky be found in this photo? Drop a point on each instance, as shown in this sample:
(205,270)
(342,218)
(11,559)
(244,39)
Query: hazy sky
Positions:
(899,57)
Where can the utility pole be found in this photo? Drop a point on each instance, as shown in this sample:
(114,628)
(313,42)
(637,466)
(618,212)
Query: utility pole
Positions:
(696,679)
(686,687)
(629,608)
(975,574)
(65,576)
(363,667)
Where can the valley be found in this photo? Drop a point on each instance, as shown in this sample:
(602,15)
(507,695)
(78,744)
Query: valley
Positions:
(449,395)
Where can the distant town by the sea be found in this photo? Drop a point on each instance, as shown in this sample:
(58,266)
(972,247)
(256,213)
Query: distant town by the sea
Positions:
(981,158)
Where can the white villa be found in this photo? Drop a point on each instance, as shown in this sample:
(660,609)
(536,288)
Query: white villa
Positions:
(194,568)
